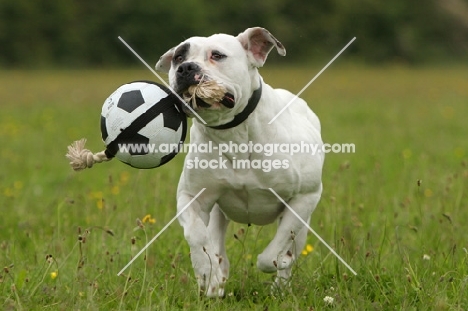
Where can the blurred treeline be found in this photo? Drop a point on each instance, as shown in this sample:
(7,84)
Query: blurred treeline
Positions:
(81,33)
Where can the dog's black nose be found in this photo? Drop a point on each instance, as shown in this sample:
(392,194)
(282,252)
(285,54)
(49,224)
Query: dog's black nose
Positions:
(187,74)
(188,70)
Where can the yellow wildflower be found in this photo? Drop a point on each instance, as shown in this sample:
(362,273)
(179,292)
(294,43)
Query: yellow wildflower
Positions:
(100,203)
(115,190)
(148,219)
(96,195)
(53,275)
(18,185)
(8,192)
(428,193)
(124,176)
(308,249)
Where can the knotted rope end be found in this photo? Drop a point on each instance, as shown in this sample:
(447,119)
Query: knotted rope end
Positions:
(81,158)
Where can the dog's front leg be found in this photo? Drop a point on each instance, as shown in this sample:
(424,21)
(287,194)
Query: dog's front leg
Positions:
(204,229)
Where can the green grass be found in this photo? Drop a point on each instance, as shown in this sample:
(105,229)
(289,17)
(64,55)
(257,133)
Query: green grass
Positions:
(406,239)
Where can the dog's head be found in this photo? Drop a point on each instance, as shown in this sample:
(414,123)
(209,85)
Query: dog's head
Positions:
(231,62)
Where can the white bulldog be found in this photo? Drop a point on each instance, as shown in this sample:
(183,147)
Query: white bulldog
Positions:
(241,117)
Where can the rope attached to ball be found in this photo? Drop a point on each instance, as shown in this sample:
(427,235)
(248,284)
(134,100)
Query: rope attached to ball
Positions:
(209,91)
(81,158)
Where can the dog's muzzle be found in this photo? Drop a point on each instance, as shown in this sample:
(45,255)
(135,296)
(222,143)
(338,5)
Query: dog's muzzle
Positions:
(187,74)
(190,74)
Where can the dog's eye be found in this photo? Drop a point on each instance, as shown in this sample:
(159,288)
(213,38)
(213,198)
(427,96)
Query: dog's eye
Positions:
(178,59)
(215,55)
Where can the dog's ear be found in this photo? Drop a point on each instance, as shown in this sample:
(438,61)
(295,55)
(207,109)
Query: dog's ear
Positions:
(164,63)
(258,42)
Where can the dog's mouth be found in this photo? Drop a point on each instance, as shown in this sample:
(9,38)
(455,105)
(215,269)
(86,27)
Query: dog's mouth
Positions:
(227,101)
(207,94)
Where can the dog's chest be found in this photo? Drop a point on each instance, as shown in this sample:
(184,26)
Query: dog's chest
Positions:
(255,206)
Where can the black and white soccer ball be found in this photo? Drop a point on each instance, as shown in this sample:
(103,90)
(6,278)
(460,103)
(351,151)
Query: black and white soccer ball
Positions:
(142,124)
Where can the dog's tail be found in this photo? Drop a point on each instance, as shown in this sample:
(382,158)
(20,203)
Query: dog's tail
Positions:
(81,158)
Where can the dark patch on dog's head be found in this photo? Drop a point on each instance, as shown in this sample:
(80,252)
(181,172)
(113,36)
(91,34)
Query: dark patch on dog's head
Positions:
(180,54)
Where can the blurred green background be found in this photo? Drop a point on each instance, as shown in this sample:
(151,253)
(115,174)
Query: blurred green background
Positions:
(396,210)
(76,34)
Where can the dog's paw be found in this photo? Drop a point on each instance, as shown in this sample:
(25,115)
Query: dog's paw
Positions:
(270,264)
(212,284)
(208,267)
(282,284)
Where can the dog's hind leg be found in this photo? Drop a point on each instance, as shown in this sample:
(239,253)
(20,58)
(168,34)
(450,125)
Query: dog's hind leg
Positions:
(284,263)
(290,238)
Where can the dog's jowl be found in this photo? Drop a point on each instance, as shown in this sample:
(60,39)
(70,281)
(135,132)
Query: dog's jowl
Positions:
(255,157)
